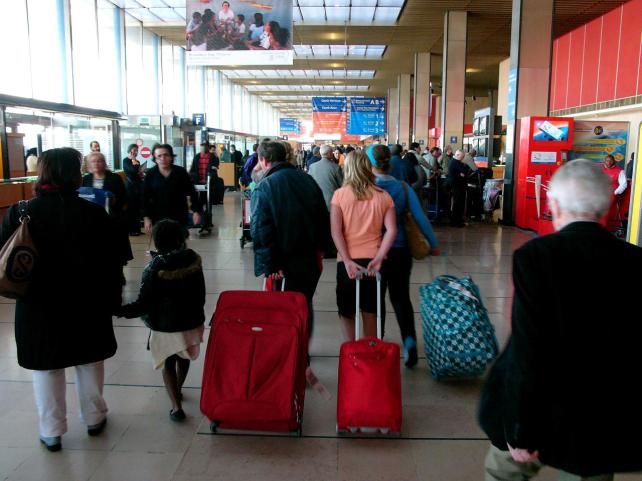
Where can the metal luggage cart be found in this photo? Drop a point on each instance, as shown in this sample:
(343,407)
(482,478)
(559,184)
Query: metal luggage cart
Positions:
(246,219)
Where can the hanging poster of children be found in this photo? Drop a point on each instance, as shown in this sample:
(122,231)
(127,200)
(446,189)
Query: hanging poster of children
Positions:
(239,32)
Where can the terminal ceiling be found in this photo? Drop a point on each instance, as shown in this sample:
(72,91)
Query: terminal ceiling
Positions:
(350,69)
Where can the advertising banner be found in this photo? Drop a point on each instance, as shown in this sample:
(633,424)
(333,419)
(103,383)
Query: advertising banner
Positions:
(289,125)
(239,32)
(594,140)
(367,116)
(329,115)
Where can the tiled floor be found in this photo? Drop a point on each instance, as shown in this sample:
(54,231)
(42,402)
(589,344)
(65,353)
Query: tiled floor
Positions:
(441,440)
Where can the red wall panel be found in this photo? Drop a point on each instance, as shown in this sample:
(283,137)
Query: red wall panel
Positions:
(608,55)
(599,61)
(591,61)
(553,88)
(629,58)
(563,47)
(575,68)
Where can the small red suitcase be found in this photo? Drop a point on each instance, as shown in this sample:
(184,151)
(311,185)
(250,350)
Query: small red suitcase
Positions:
(369,394)
(254,373)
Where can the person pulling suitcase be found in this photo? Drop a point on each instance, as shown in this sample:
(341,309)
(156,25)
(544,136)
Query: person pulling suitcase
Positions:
(369,394)
(204,173)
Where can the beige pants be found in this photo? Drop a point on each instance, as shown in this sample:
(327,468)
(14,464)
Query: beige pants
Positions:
(500,466)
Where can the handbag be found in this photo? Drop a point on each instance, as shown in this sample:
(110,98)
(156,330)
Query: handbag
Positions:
(18,258)
(417,243)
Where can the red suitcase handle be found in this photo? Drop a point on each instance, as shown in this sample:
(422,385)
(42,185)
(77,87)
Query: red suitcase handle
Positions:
(357,315)
(268,284)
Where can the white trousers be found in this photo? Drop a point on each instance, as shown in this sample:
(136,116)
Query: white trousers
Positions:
(50,389)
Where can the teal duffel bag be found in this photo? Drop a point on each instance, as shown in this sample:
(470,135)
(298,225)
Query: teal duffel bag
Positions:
(459,339)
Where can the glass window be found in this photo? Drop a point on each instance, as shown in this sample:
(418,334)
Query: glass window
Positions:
(48,130)
(226,104)
(111,58)
(135,71)
(16,79)
(196,91)
(151,98)
(88,83)
(213,96)
(167,69)
(48,50)
(179,79)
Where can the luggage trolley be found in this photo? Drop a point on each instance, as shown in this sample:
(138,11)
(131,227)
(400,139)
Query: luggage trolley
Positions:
(205,230)
(246,236)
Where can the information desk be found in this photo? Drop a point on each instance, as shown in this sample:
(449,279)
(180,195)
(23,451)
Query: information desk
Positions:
(227,172)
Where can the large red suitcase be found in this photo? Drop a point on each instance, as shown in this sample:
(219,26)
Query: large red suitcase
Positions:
(254,374)
(369,395)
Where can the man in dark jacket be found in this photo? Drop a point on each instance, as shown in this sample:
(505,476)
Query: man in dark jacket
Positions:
(315,157)
(205,166)
(290,223)
(458,180)
(401,168)
(250,163)
(561,393)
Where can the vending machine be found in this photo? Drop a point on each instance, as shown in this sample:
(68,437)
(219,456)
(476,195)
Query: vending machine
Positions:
(543,146)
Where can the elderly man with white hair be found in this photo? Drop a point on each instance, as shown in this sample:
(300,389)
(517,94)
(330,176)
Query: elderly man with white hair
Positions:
(561,394)
(458,173)
(327,173)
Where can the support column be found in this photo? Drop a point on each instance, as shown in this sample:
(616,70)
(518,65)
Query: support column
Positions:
(528,80)
(421,99)
(403,85)
(454,79)
(393,115)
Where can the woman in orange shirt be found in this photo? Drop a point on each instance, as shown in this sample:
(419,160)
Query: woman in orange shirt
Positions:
(359,212)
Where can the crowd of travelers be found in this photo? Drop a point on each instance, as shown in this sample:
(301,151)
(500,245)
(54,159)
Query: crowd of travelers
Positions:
(558,395)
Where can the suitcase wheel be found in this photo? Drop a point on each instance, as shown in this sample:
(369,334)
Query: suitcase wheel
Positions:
(214,426)
(242,242)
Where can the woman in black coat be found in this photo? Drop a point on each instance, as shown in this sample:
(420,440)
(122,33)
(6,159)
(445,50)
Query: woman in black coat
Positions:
(65,318)
(134,185)
(100,177)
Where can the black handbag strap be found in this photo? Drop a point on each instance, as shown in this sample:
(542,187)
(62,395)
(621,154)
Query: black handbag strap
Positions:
(406,208)
(23,209)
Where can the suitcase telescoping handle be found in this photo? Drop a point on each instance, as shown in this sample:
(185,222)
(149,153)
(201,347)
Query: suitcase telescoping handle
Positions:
(357,313)
(265,286)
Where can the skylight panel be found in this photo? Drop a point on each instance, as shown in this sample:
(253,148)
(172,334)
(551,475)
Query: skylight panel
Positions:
(321,50)
(362,14)
(313,14)
(167,14)
(386,14)
(337,14)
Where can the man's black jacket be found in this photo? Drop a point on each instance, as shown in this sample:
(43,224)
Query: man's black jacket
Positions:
(290,223)
(566,385)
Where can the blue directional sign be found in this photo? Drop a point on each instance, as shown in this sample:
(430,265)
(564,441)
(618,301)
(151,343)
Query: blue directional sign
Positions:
(289,125)
(367,116)
(329,104)
(198,120)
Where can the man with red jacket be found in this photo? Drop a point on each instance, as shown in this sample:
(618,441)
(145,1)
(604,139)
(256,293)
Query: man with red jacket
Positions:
(619,184)
(205,164)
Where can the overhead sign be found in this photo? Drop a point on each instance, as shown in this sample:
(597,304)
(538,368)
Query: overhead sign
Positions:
(239,33)
(367,116)
(329,115)
(198,120)
(288,125)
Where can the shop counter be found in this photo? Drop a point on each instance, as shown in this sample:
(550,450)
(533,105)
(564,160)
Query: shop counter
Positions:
(227,172)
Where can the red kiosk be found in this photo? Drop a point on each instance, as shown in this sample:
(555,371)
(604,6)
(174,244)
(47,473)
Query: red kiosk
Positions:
(543,143)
